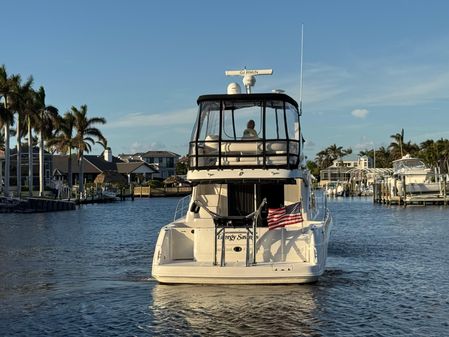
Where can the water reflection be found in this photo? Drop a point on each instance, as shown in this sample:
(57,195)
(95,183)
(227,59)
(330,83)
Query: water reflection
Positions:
(235,310)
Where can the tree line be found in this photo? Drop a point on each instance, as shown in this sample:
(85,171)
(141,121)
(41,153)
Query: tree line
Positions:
(434,153)
(24,111)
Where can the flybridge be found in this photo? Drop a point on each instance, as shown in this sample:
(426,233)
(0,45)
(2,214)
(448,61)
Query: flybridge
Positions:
(257,131)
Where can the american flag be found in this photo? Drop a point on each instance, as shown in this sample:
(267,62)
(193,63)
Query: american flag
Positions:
(281,217)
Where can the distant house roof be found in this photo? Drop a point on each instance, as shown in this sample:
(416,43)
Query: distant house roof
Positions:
(97,164)
(150,154)
(60,163)
(100,163)
(132,167)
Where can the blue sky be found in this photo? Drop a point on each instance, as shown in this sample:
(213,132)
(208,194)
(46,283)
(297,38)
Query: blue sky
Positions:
(370,68)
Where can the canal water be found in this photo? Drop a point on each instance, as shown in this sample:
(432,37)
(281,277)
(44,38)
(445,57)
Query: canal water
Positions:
(87,273)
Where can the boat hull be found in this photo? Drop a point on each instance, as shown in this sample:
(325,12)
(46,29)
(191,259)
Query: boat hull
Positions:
(287,273)
(259,274)
(284,256)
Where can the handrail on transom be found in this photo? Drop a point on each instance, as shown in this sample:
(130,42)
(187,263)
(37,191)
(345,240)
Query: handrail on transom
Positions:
(222,222)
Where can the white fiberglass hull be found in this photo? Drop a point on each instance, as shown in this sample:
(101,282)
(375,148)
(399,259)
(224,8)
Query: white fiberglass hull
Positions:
(277,273)
(283,256)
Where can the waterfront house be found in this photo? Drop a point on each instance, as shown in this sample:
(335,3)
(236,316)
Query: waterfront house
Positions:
(134,172)
(137,171)
(164,161)
(340,170)
(48,166)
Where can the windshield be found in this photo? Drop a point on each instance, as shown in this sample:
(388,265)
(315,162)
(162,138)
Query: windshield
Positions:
(270,120)
(409,164)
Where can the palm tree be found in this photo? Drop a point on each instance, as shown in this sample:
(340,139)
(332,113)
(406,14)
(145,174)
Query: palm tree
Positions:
(6,120)
(429,153)
(85,137)
(410,148)
(443,145)
(326,157)
(20,99)
(64,140)
(45,120)
(103,143)
(28,98)
(397,144)
(383,157)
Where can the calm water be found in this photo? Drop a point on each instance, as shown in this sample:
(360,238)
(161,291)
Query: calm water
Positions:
(86,273)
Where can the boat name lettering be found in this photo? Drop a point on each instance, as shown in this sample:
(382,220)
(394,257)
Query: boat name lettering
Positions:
(234,237)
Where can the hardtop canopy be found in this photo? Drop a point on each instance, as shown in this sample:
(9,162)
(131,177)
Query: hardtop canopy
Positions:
(248,97)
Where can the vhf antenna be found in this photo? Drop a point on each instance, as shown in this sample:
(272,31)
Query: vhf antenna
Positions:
(300,80)
(249,78)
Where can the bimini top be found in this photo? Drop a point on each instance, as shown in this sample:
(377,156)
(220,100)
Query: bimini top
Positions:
(248,97)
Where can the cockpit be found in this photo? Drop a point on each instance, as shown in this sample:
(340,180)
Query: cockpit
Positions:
(246,131)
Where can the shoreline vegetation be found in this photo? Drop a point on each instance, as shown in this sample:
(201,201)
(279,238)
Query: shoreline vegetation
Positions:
(435,154)
(25,115)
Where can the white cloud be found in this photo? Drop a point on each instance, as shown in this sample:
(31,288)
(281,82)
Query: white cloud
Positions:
(142,147)
(180,117)
(359,113)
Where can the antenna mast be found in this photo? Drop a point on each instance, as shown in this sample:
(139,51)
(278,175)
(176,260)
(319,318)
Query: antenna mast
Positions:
(300,80)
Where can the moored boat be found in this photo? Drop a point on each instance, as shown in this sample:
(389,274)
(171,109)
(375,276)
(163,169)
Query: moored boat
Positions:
(415,176)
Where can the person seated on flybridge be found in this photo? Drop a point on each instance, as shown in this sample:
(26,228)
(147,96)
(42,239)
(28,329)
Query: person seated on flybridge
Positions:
(249,131)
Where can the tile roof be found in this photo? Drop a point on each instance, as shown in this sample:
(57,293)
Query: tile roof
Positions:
(60,162)
(132,166)
(97,164)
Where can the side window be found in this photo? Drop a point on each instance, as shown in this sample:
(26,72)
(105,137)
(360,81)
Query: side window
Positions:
(274,121)
(229,132)
(210,119)
(292,121)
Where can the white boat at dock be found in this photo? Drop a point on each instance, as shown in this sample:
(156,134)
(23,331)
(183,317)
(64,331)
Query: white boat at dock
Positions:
(252,217)
(415,176)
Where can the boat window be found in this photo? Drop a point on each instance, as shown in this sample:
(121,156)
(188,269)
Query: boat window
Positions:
(238,143)
(209,120)
(243,112)
(274,121)
(229,131)
(412,163)
(292,121)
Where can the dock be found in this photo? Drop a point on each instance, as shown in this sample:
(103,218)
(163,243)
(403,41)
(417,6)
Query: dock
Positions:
(34,205)
(384,194)
(148,192)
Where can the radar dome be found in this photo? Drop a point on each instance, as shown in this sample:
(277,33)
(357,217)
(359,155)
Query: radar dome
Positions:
(249,80)
(234,88)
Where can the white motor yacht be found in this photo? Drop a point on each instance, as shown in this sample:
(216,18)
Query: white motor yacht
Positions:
(252,217)
(418,178)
